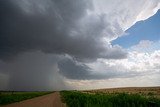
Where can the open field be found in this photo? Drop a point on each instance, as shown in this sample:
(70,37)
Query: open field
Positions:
(11,97)
(114,97)
(117,97)
(145,91)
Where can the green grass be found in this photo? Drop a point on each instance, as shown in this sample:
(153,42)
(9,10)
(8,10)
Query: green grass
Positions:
(11,97)
(78,99)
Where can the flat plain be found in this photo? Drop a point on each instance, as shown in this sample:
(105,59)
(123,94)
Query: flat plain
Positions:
(113,97)
(109,97)
(145,91)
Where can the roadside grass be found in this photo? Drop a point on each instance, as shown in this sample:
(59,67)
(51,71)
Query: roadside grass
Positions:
(79,99)
(11,97)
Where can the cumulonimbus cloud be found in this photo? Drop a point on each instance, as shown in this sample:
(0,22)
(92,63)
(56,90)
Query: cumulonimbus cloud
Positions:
(78,28)
(82,29)
(53,27)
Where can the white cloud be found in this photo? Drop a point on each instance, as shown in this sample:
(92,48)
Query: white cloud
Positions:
(146,46)
(122,15)
(143,44)
(149,9)
(139,81)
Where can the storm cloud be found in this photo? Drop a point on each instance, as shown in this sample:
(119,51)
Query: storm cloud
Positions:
(45,44)
(72,69)
(53,26)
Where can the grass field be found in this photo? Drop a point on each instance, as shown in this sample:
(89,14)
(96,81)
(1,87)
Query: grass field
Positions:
(10,97)
(144,91)
(99,98)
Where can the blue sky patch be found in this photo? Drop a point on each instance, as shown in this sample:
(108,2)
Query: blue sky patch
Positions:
(142,30)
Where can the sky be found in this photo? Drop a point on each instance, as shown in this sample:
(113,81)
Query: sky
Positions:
(142,30)
(79,44)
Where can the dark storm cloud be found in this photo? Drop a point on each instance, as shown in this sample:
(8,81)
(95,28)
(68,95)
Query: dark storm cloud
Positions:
(52,26)
(73,70)
(33,31)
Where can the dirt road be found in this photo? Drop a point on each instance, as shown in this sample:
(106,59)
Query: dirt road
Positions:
(50,100)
